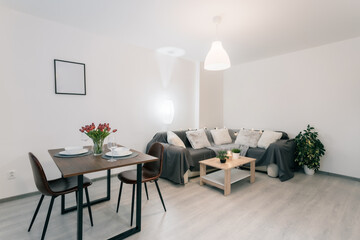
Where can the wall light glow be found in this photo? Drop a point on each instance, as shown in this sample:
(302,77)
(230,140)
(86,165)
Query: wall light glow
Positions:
(167,111)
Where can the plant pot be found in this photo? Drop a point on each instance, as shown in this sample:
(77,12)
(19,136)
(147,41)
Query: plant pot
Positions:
(223,160)
(308,171)
(235,155)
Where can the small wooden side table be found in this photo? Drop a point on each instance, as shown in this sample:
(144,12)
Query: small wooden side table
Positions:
(230,175)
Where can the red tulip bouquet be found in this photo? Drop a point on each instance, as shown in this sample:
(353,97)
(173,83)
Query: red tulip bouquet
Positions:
(97,135)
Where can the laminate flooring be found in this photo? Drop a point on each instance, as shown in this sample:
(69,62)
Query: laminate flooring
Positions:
(305,207)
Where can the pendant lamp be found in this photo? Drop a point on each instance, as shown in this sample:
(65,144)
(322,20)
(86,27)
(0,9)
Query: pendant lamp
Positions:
(217,58)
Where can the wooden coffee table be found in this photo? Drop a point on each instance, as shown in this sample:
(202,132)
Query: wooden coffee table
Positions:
(230,175)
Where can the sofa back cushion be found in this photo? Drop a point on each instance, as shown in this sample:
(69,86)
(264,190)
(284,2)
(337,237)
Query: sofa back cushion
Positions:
(198,139)
(221,136)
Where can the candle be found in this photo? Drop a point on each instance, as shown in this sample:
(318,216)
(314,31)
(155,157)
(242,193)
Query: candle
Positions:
(229,154)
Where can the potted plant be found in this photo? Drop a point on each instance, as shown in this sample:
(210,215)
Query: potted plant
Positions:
(236,153)
(222,156)
(308,150)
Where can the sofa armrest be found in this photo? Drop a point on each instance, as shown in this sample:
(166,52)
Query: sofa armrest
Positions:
(175,163)
(169,147)
(281,153)
(284,144)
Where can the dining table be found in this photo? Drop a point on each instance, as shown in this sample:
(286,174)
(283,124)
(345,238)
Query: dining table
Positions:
(88,163)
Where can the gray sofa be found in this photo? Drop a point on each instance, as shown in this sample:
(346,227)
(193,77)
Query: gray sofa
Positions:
(177,160)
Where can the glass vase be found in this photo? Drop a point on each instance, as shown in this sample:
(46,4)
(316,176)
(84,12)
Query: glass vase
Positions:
(98,147)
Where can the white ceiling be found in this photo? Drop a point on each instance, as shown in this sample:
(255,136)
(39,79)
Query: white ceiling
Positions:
(250,29)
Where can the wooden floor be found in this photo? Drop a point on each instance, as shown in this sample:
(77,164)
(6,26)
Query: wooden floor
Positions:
(305,207)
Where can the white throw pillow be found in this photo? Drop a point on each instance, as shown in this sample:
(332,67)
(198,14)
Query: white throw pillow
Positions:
(248,138)
(221,136)
(174,139)
(198,139)
(268,137)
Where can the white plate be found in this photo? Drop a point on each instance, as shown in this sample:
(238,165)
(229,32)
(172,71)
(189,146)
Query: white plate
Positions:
(74,152)
(121,149)
(119,154)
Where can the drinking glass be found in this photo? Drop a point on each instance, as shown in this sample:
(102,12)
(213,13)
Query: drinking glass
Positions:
(112,146)
(84,138)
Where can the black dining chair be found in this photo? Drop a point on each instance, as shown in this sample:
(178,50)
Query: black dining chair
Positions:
(54,188)
(150,172)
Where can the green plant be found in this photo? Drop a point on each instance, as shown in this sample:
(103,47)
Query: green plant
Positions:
(236,150)
(222,155)
(308,149)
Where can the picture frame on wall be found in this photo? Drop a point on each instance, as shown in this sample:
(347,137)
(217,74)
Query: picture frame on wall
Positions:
(70,77)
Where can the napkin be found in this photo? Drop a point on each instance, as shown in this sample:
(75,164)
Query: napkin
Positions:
(119,150)
(74,149)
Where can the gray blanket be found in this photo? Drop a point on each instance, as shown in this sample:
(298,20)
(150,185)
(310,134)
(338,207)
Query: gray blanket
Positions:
(281,153)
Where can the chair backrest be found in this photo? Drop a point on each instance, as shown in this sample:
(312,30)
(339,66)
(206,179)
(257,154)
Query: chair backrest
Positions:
(156,150)
(39,176)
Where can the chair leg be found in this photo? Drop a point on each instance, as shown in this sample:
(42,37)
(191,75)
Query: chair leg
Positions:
(132,204)
(47,218)
(147,195)
(157,186)
(76,197)
(89,206)
(36,211)
(118,203)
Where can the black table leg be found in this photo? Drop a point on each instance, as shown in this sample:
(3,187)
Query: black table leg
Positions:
(138,197)
(108,185)
(80,207)
(138,208)
(96,201)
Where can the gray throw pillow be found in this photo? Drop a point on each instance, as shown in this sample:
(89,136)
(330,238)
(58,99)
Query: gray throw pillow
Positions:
(268,137)
(221,136)
(198,139)
(174,139)
(248,137)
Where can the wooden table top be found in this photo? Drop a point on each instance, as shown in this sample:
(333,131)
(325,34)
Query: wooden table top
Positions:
(230,163)
(87,164)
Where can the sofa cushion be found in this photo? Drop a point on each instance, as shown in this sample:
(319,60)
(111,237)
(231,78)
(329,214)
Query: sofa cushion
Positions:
(198,139)
(248,137)
(174,139)
(268,137)
(221,136)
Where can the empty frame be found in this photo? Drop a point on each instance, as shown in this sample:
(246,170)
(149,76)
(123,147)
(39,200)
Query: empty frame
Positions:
(69,77)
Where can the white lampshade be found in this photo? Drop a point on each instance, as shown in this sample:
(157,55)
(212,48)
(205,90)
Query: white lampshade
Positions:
(217,58)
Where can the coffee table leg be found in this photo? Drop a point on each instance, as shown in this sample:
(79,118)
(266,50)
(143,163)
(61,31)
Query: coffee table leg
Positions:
(227,182)
(202,173)
(252,172)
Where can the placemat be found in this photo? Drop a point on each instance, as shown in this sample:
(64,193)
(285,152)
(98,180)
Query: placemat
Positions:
(120,158)
(72,156)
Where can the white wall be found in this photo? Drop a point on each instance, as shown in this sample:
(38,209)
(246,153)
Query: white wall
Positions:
(319,86)
(211,98)
(124,88)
